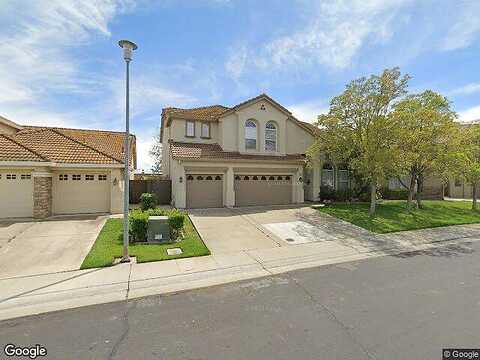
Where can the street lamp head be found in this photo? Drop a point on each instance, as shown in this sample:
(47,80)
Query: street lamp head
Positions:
(128,48)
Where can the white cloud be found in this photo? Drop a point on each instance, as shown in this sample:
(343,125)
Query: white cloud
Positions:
(466,28)
(35,46)
(236,61)
(469,114)
(468,89)
(308,111)
(336,32)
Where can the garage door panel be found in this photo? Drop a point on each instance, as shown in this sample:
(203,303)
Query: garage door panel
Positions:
(204,191)
(251,190)
(16,194)
(81,193)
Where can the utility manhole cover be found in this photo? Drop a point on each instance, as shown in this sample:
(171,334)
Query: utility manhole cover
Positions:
(174,251)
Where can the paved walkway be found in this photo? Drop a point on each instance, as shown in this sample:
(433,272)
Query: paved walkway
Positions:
(28,295)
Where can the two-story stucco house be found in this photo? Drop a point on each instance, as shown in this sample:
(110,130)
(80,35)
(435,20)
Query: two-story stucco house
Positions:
(250,154)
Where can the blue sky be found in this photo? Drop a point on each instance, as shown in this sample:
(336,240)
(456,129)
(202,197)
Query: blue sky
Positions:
(61,64)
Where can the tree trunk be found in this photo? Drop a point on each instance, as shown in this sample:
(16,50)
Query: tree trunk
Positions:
(411,192)
(373,198)
(419,191)
(474,195)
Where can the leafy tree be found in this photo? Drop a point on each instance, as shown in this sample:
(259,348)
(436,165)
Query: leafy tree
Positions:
(357,130)
(156,154)
(426,134)
(469,159)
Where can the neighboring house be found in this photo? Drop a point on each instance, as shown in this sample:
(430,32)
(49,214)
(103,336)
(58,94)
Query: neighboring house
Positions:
(48,171)
(250,154)
(433,187)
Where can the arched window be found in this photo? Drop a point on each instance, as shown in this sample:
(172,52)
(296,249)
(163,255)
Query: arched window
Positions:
(343,178)
(328,176)
(250,135)
(270,136)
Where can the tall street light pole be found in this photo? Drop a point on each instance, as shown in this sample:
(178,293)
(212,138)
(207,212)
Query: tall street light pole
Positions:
(128,48)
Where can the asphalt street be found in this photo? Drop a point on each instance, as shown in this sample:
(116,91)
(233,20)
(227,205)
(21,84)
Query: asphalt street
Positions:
(408,306)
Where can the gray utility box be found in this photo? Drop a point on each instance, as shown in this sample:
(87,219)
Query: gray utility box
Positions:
(158,229)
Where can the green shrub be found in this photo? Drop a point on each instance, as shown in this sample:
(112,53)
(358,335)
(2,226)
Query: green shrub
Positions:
(388,194)
(148,201)
(138,221)
(327,193)
(176,219)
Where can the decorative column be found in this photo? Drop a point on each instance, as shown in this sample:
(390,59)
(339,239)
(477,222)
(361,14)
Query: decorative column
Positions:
(299,198)
(42,195)
(229,188)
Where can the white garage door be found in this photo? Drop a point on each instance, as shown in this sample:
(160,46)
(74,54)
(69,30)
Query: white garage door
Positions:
(16,194)
(81,192)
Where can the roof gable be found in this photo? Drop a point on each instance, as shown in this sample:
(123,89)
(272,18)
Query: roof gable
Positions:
(216,112)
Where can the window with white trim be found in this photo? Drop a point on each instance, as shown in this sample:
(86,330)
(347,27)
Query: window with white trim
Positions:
(102,177)
(76,177)
(205,133)
(190,129)
(328,176)
(89,177)
(343,179)
(250,135)
(11,176)
(270,136)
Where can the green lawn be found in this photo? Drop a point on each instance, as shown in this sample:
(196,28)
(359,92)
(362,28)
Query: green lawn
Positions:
(109,246)
(392,215)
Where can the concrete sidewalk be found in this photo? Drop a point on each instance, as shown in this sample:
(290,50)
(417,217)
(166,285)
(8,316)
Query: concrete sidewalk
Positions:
(29,295)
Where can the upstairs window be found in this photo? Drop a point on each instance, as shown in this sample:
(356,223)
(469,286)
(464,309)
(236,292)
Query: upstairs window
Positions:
(205,130)
(250,135)
(270,137)
(190,129)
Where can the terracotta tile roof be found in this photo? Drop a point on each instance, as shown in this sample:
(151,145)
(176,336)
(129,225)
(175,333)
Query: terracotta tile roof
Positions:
(65,145)
(10,150)
(57,147)
(204,113)
(181,150)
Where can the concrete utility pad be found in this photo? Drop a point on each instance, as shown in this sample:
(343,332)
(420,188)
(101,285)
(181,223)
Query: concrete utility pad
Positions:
(298,232)
(48,246)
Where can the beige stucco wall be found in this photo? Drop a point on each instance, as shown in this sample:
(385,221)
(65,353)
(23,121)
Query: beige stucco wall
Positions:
(5,129)
(261,117)
(298,139)
(177,132)
(228,132)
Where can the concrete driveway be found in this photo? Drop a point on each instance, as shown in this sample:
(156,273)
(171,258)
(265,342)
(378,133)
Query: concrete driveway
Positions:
(32,248)
(254,228)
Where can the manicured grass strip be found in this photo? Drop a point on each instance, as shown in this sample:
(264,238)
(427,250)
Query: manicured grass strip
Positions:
(392,215)
(109,246)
